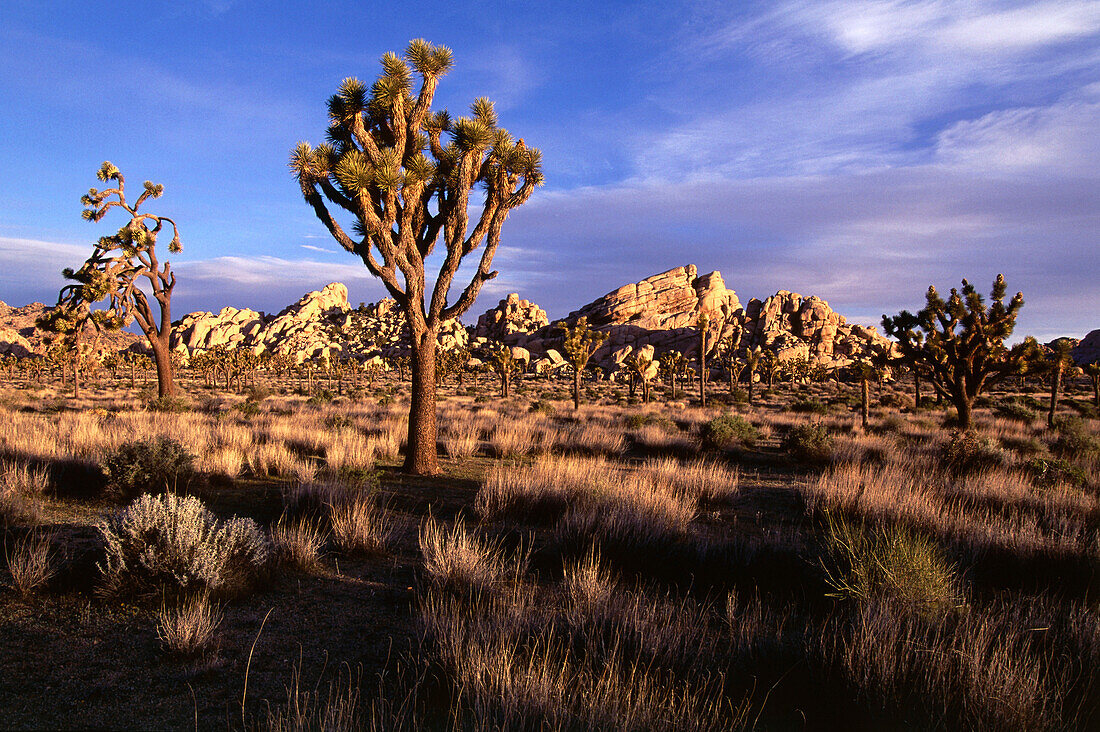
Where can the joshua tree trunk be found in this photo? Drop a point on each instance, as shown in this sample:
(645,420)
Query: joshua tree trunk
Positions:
(576,389)
(752,382)
(916,388)
(76,376)
(163,358)
(1055,392)
(420,454)
(703,367)
(865,394)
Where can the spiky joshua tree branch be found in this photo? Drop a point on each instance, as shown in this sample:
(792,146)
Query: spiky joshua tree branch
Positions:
(388,165)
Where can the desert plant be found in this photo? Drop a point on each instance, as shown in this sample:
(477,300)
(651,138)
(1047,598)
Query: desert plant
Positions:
(888,562)
(728,431)
(458,560)
(811,442)
(298,542)
(188,629)
(402,200)
(967,452)
(31,562)
(809,405)
(174,544)
(359,525)
(157,464)
(579,343)
(959,343)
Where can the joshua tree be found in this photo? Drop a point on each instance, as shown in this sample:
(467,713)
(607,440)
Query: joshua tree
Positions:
(959,343)
(642,368)
(387,167)
(1092,370)
(703,323)
(117,267)
(675,367)
(504,363)
(579,343)
(864,370)
(1058,363)
(753,358)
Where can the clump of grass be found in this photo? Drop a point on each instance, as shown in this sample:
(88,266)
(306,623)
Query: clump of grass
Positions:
(459,561)
(727,432)
(169,544)
(298,543)
(890,562)
(146,466)
(187,630)
(810,442)
(359,525)
(462,442)
(21,488)
(31,562)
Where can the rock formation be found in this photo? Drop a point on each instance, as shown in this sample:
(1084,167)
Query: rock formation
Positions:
(320,325)
(19,337)
(1088,349)
(509,317)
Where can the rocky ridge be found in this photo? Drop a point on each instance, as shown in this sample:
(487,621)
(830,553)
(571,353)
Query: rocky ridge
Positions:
(322,324)
(662,311)
(20,337)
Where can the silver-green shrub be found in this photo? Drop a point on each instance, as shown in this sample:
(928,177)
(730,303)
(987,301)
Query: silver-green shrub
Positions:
(173,544)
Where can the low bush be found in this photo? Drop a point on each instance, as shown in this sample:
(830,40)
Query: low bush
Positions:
(809,405)
(810,442)
(173,545)
(146,466)
(969,452)
(888,562)
(1047,472)
(541,407)
(727,432)
(169,404)
(1017,412)
(1074,438)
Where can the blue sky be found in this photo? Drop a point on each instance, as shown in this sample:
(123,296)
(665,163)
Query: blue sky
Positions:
(859,151)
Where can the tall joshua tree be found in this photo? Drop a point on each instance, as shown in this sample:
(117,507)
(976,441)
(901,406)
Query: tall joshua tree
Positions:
(579,343)
(119,264)
(959,342)
(1058,363)
(386,164)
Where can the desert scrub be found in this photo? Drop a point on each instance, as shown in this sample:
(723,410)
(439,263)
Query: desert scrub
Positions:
(809,405)
(810,442)
(968,452)
(188,630)
(1074,438)
(31,562)
(1017,412)
(727,432)
(461,562)
(888,562)
(173,545)
(145,466)
(299,543)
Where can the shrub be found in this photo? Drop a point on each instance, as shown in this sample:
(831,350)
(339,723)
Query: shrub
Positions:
(809,405)
(728,431)
(540,407)
(1016,411)
(257,393)
(1074,438)
(1048,472)
(146,466)
(322,396)
(810,442)
(969,452)
(174,545)
(188,630)
(248,408)
(889,562)
(169,404)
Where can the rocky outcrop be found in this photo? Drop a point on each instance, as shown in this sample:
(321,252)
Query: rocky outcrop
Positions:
(1088,349)
(320,325)
(661,312)
(20,337)
(511,317)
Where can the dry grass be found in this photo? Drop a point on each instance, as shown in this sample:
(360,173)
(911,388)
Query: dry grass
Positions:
(298,543)
(31,562)
(462,441)
(460,561)
(360,526)
(188,629)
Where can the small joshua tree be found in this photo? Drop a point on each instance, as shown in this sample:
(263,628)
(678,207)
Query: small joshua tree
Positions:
(579,344)
(504,363)
(1092,371)
(1059,362)
(754,357)
(703,323)
(388,167)
(958,343)
(117,268)
(642,369)
(675,367)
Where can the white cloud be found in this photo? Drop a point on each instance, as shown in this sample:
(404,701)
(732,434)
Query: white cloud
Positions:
(324,250)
